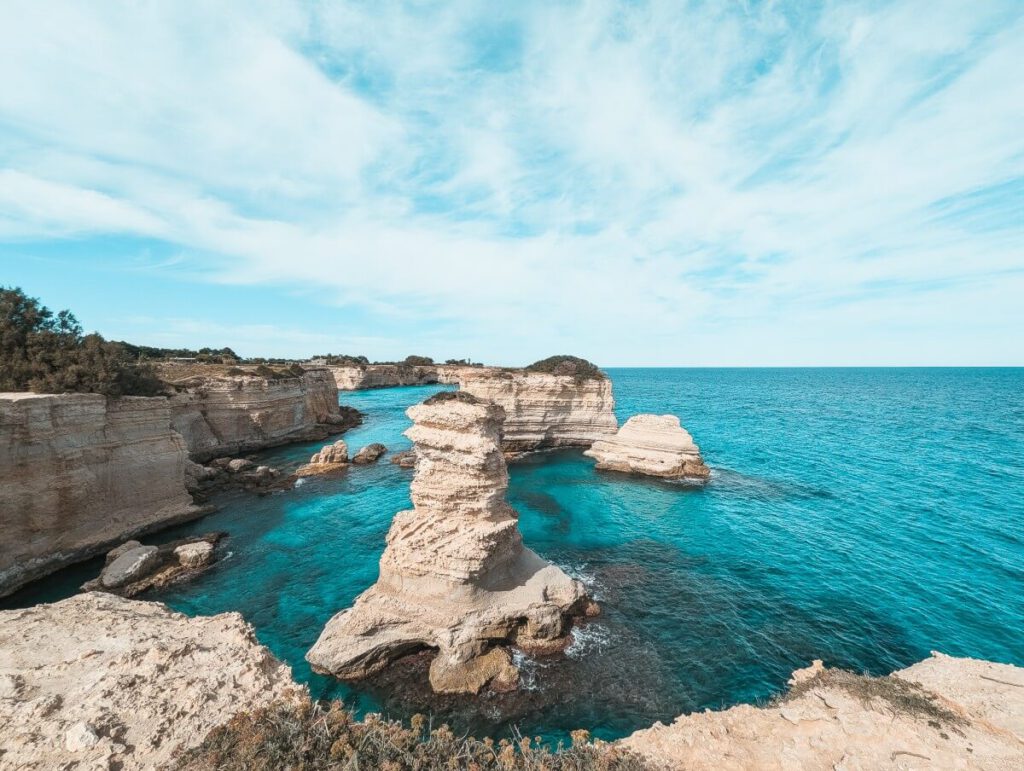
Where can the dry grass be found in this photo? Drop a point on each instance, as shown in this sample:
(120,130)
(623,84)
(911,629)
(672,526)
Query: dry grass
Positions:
(899,696)
(310,737)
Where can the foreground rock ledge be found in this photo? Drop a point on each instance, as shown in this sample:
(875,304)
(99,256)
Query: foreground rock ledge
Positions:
(104,682)
(654,445)
(455,576)
(943,712)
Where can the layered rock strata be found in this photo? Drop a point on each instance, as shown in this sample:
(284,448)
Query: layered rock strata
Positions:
(455,575)
(98,681)
(361,377)
(654,445)
(80,473)
(231,414)
(943,712)
(544,411)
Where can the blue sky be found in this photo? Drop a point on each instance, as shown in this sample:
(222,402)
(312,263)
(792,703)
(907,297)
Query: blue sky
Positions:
(640,183)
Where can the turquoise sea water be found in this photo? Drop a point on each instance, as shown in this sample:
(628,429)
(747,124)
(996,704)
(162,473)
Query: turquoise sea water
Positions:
(861,516)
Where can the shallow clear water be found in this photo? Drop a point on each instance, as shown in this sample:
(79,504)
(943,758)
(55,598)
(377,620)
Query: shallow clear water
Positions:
(861,516)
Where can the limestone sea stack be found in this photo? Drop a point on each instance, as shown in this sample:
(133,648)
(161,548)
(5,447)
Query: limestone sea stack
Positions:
(331,457)
(655,445)
(98,681)
(455,575)
(545,410)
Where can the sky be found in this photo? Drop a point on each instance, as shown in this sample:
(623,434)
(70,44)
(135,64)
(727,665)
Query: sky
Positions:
(728,183)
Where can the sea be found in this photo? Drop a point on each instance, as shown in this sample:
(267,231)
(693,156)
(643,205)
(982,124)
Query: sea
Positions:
(865,517)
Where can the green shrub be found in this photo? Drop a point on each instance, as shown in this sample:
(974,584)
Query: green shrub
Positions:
(310,736)
(45,353)
(571,366)
(418,361)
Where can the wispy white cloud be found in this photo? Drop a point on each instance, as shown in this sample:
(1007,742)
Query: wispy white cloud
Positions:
(642,182)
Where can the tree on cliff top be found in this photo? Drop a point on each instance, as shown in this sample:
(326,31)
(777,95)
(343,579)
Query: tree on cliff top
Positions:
(570,366)
(418,361)
(48,353)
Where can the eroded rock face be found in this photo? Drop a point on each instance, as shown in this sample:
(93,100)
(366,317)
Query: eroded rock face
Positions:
(654,445)
(358,378)
(940,713)
(98,681)
(544,411)
(78,473)
(232,414)
(455,575)
(331,457)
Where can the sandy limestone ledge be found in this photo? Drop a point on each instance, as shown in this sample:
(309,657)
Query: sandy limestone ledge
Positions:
(655,445)
(98,681)
(455,575)
(943,712)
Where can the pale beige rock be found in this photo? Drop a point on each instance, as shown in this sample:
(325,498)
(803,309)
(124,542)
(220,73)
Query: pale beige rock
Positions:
(654,445)
(966,714)
(230,414)
(109,682)
(358,378)
(331,457)
(80,473)
(455,575)
(129,566)
(542,410)
(195,555)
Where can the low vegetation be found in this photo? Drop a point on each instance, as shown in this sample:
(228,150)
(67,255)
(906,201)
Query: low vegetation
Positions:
(311,736)
(571,366)
(893,693)
(48,353)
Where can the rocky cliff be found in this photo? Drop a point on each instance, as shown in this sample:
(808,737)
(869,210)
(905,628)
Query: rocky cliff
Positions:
(544,410)
(943,712)
(653,445)
(97,681)
(79,472)
(224,414)
(455,576)
(361,377)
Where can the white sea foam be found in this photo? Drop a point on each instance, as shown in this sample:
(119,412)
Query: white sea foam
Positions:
(588,639)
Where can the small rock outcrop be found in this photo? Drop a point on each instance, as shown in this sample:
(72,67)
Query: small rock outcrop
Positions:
(331,457)
(132,568)
(943,712)
(369,454)
(80,473)
(455,575)
(655,445)
(404,459)
(98,681)
(545,410)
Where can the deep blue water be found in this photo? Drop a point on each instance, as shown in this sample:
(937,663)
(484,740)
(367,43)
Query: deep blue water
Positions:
(861,516)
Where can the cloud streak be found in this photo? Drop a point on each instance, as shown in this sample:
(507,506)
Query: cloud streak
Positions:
(648,182)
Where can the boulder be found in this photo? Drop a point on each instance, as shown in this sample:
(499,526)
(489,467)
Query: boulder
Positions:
(331,457)
(405,459)
(369,454)
(654,445)
(130,566)
(240,464)
(195,555)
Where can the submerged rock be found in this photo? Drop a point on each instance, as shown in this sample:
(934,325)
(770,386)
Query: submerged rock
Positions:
(369,454)
(455,576)
(655,445)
